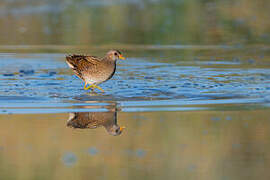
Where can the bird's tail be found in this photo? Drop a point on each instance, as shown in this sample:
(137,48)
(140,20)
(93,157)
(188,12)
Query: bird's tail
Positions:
(71,61)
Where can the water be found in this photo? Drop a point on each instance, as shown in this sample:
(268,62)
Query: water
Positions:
(185,116)
(190,145)
(42,82)
(193,93)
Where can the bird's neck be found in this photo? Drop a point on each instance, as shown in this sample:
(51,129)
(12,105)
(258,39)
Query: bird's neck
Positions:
(109,60)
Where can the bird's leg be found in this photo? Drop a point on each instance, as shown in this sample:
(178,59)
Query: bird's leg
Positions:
(95,86)
(85,86)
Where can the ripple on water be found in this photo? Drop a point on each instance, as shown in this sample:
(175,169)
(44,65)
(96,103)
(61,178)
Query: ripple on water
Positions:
(38,78)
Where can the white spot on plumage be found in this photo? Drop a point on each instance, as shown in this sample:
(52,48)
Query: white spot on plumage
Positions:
(70,65)
(71,116)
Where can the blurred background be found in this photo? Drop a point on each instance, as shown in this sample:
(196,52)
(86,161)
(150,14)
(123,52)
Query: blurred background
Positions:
(155,22)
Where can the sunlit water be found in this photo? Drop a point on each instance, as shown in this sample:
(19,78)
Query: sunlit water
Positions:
(190,114)
(44,81)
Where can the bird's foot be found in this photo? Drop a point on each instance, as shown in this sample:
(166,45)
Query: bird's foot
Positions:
(92,87)
(95,86)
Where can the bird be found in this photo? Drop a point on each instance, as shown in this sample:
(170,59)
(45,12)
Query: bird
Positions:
(92,120)
(94,70)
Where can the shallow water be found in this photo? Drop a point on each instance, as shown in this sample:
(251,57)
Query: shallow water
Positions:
(189,112)
(155,145)
(43,83)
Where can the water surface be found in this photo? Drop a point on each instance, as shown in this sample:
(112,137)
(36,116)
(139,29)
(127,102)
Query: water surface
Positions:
(189,145)
(40,82)
(190,113)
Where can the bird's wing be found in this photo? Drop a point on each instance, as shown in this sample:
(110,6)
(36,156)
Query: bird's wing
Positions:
(80,63)
(93,59)
(80,59)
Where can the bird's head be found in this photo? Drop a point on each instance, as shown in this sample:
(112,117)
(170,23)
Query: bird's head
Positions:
(115,130)
(115,55)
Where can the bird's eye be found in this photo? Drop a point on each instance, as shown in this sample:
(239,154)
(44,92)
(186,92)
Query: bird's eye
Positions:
(115,54)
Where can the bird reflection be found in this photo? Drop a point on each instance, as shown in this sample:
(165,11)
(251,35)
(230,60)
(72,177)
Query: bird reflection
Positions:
(92,120)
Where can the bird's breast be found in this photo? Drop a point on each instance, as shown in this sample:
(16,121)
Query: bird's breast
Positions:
(102,73)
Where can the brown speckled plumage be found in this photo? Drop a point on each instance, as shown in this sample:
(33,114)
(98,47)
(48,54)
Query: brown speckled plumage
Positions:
(94,70)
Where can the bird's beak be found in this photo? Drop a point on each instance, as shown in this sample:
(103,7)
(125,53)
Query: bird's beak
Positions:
(122,128)
(121,57)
